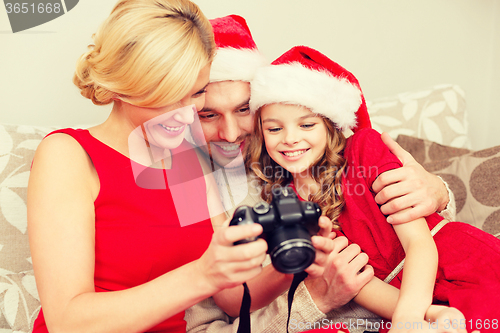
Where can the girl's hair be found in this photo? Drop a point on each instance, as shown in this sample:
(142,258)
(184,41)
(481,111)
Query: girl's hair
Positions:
(327,171)
(147,53)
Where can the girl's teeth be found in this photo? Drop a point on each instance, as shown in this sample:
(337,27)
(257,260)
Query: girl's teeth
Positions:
(295,153)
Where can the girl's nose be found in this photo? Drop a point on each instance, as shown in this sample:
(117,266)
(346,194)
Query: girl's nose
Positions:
(290,138)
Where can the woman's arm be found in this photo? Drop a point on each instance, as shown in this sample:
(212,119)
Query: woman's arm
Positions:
(263,289)
(62,188)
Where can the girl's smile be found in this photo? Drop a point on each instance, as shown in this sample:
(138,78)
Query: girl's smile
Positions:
(294,155)
(295,138)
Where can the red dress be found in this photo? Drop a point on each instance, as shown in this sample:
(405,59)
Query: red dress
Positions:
(468,275)
(138,236)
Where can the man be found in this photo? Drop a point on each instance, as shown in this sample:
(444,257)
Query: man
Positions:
(227,122)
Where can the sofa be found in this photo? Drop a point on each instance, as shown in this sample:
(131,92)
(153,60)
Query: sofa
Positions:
(430,123)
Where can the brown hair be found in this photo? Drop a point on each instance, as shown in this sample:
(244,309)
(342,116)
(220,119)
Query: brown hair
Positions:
(327,171)
(147,53)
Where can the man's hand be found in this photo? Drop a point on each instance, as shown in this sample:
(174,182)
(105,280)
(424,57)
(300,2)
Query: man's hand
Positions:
(345,273)
(409,192)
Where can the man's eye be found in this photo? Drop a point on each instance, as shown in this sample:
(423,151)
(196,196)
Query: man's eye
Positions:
(199,93)
(207,116)
(244,110)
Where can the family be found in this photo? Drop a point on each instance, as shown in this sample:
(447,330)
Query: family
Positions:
(128,220)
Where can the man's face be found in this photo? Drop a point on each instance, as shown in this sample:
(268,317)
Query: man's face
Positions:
(226,121)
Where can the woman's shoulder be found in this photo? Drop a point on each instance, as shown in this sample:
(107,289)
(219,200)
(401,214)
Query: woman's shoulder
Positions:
(60,163)
(62,152)
(60,143)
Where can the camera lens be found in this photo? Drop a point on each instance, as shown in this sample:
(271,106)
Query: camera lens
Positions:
(291,249)
(296,258)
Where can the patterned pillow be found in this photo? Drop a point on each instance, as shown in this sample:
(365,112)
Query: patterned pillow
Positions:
(437,114)
(19,302)
(473,176)
(17,148)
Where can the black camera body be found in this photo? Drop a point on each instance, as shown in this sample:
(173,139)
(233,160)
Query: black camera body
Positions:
(288,224)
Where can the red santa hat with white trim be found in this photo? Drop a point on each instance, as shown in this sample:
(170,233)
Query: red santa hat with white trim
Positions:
(237,57)
(304,76)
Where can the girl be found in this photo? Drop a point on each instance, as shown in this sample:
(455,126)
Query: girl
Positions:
(110,253)
(303,103)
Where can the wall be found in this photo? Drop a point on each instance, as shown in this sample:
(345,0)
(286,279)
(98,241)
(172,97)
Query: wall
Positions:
(391,46)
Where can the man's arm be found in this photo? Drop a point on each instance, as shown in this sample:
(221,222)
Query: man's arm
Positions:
(313,298)
(411,192)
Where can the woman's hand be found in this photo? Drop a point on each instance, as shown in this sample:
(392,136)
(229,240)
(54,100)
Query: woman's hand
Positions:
(226,265)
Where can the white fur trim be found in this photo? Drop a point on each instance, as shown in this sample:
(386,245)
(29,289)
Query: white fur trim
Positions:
(232,64)
(335,98)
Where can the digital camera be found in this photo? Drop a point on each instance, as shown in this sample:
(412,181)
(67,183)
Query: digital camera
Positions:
(288,224)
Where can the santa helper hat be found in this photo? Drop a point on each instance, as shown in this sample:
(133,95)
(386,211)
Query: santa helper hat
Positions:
(304,76)
(237,57)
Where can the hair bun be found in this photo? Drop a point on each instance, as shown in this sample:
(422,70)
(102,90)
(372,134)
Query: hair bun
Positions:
(84,79)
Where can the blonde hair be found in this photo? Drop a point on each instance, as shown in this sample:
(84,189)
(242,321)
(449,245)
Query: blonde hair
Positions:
(147,53)
(329,169)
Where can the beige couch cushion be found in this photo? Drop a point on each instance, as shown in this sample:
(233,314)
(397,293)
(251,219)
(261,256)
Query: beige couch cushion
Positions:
(473,176)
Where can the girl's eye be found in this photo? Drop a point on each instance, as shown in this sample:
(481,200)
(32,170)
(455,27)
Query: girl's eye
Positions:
(307,125)
(273,129)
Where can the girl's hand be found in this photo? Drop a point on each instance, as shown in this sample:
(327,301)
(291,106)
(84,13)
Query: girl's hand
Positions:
(326,227)
(323,243)
(226,265)
(446,318)
(441,319)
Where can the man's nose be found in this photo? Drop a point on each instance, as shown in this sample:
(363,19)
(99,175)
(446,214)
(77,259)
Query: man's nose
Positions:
(229,129)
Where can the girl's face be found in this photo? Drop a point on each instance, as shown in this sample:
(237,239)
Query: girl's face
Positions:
(164,127)
(295,138)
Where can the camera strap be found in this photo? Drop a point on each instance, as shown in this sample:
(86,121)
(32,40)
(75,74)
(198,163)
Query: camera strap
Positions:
(244,325)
